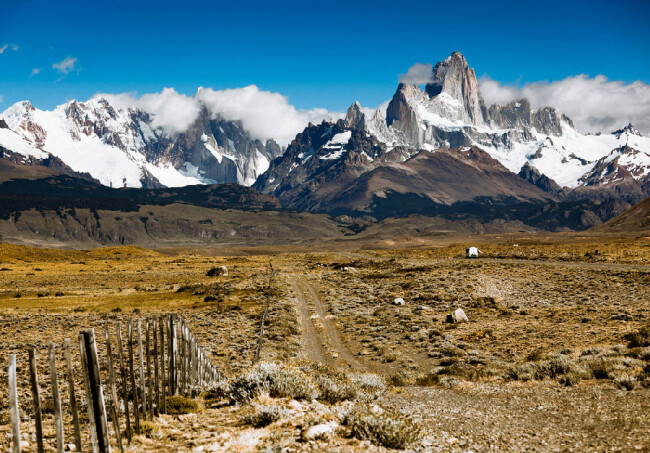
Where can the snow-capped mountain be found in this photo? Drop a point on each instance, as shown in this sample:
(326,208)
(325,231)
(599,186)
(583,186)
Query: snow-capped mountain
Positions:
(120,147)
(123,146)
(450,112)
(439,147)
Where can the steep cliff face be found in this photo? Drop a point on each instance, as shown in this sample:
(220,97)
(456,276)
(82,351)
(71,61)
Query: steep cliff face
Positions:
(120,146)
(450,112)
(455,90)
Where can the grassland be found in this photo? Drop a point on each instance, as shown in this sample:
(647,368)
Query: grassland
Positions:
(554,322)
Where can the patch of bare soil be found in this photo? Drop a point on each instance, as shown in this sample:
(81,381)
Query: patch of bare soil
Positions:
(524,418)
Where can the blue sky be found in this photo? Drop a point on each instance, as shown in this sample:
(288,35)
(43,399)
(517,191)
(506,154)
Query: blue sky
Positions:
(319,54)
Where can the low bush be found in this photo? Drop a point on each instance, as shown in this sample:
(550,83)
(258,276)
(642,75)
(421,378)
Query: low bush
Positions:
(388,428)
(427,380)
(370,386)
(639,339)
(334,388)
(601,368)
(626,382)
(147,429)
(277,379)
(178,404)
(264,416)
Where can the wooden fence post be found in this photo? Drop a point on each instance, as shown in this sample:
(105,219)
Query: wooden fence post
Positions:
(134,389)
(125,393)
(143,383)
(96,392)
(58,417)
(155,364)
(13,403)
(111,378)
(258,349)
(161,327)
(36,395)
(89,399)
(171,340)
(149,380)
(73,397)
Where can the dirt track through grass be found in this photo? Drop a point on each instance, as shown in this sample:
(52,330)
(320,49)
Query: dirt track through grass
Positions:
(321,345)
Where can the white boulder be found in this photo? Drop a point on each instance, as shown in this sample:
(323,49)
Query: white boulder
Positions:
(316,432)
(459,316)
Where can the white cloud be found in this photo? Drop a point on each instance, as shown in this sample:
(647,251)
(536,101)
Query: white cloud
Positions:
(66,65)
(418,74)
(3,48)
(14,47)
(171,111)
(594,103)
(263,113)
(35,71)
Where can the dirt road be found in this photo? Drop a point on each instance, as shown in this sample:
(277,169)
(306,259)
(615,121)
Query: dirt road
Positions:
(320,338)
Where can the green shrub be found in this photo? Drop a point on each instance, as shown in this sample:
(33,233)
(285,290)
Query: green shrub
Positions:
(388,428)
(178,404)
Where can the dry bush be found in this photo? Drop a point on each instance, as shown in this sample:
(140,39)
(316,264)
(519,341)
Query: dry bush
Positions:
(639,339)
(334,388)
(388,428)
(277,379)
(178,404)
(335,385)
(264,415)
(428,379)
(148,429)
(561,368)
(371,386)
(626,382)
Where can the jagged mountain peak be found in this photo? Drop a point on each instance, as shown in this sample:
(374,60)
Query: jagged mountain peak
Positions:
(454,78)
(629,129)
(121,145)
(355,118)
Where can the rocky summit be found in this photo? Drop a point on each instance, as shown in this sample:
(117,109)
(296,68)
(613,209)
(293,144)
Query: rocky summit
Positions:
(382,153)
(365,163)
(122,147)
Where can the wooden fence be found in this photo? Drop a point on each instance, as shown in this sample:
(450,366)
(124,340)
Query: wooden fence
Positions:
(169,362)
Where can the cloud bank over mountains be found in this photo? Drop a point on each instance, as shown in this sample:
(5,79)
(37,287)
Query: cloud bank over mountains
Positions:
(263,114)
(595,104)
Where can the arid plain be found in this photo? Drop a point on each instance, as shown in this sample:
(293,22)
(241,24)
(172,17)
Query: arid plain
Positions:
(555,355)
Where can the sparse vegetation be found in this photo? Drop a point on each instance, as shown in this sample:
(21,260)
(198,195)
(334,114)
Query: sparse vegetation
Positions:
(264,415)
(525,325)
(276,379)
(179,404)
(382,426)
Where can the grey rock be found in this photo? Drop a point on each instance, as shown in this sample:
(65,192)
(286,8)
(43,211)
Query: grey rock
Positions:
(455,78)
(459,316)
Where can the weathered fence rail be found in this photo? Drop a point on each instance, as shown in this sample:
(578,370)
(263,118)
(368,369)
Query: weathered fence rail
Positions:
(169,362)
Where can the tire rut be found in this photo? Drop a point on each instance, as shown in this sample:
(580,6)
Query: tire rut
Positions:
(321,345)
